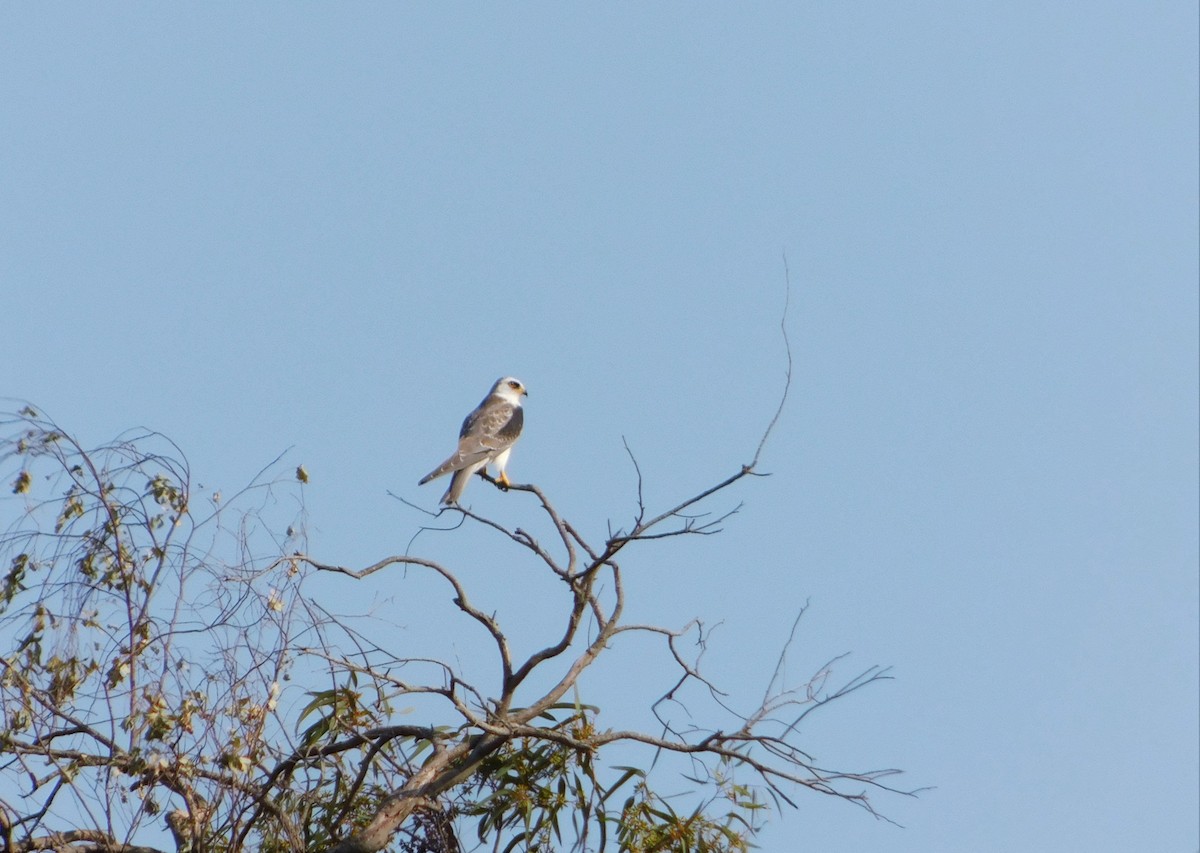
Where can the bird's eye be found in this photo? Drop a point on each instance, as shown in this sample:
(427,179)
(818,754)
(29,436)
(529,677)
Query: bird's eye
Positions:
(514,385)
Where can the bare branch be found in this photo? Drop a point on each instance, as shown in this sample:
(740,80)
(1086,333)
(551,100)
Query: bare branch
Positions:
(81,841)
(787,347)
(460,596)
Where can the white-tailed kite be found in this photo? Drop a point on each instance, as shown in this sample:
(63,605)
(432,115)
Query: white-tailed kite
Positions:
(487,435)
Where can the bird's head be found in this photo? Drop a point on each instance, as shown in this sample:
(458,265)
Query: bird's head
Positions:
(509,389)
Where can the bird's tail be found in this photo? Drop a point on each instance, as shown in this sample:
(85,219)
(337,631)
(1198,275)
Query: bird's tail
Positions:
(457,484)
(438,471)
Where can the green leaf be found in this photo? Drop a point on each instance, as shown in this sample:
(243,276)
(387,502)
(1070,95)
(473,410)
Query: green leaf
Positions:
(321,699)
(629,773)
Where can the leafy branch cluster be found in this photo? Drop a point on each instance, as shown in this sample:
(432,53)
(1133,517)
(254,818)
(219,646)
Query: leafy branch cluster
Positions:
(162,666)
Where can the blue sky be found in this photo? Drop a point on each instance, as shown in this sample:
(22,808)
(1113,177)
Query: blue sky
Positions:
(330,227)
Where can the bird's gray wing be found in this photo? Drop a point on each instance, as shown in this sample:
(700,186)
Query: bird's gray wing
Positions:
(488,430)
(493,417)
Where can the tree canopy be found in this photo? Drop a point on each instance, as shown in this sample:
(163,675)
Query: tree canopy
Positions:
(168,683)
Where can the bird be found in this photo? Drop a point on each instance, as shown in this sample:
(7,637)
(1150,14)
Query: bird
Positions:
(487,435)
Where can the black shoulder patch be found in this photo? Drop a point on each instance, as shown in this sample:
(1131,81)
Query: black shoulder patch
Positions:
(512,429)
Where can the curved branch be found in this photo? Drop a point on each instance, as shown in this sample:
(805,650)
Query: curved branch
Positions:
(460,596)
